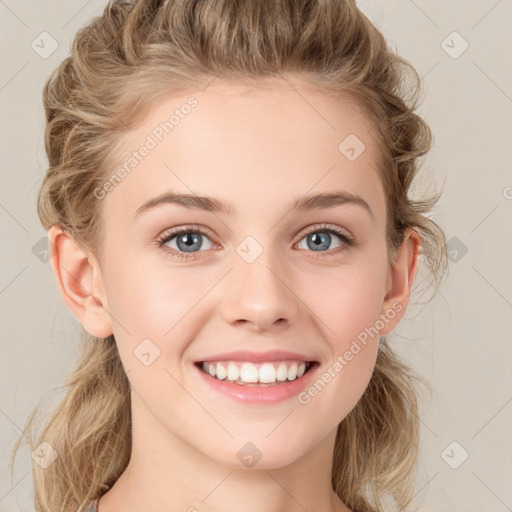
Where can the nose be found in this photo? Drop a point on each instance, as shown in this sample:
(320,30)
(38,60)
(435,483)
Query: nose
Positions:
(260,294)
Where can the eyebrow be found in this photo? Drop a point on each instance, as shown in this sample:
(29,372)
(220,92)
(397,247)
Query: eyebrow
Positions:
(210,204)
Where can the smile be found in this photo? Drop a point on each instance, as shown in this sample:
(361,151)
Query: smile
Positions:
(256,374)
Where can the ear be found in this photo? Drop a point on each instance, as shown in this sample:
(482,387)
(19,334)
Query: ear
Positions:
(79,280)
(400,280)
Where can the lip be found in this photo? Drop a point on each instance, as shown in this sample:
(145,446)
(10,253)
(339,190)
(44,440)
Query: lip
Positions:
(265,395)
(258,357)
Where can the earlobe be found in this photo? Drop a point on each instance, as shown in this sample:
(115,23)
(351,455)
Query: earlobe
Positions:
(79,281)
(401,278)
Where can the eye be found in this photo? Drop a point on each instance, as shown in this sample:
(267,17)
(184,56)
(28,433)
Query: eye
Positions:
(182,243)
(188,240)
(322,238)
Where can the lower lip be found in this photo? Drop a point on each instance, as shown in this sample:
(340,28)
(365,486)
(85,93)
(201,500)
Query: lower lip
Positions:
(260,394)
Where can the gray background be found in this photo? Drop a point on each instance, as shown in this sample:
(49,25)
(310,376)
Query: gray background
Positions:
(460,341)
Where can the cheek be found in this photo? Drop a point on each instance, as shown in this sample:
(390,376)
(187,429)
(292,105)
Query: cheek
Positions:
(348,314)
(155,310)
(151,299)
(346,302)
(347,306)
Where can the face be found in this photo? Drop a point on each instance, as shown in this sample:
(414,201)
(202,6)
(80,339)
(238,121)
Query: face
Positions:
(256,276)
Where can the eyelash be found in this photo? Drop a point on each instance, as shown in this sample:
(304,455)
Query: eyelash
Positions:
(347,241)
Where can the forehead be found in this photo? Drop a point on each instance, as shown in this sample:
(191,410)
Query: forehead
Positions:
(249,144)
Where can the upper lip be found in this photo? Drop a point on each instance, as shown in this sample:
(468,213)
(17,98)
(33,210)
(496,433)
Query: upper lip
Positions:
(258,357)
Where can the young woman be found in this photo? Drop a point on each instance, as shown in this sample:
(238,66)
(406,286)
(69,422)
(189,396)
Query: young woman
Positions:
(227,203)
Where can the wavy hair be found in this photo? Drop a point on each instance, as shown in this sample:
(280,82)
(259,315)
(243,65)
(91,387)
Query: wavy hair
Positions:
(121,63)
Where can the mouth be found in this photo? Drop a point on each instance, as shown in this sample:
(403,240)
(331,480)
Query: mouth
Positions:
(265,374)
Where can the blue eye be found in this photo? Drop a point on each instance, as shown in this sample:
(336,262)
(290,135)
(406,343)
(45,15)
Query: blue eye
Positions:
(189,240)
(324,240)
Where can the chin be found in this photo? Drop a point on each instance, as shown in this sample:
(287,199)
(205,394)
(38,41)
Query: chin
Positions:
(255,452)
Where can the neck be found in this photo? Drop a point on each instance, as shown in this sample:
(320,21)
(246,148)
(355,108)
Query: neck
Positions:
(166,473)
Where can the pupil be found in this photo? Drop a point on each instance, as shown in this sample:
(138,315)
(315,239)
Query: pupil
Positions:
(317,240)
(187,241)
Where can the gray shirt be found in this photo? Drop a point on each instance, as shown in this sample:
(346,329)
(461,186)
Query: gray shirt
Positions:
(92,507)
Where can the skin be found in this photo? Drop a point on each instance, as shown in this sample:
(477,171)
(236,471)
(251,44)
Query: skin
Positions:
(259,149)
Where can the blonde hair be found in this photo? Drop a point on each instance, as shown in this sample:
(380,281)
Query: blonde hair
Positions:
(121,63)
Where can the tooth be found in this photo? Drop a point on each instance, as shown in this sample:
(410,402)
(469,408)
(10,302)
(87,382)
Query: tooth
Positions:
(282,372)
(249,373)
(267,373)
(233,372)
(221,371)
(292,371)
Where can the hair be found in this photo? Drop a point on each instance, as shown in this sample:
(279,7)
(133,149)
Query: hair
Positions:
(121,63)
